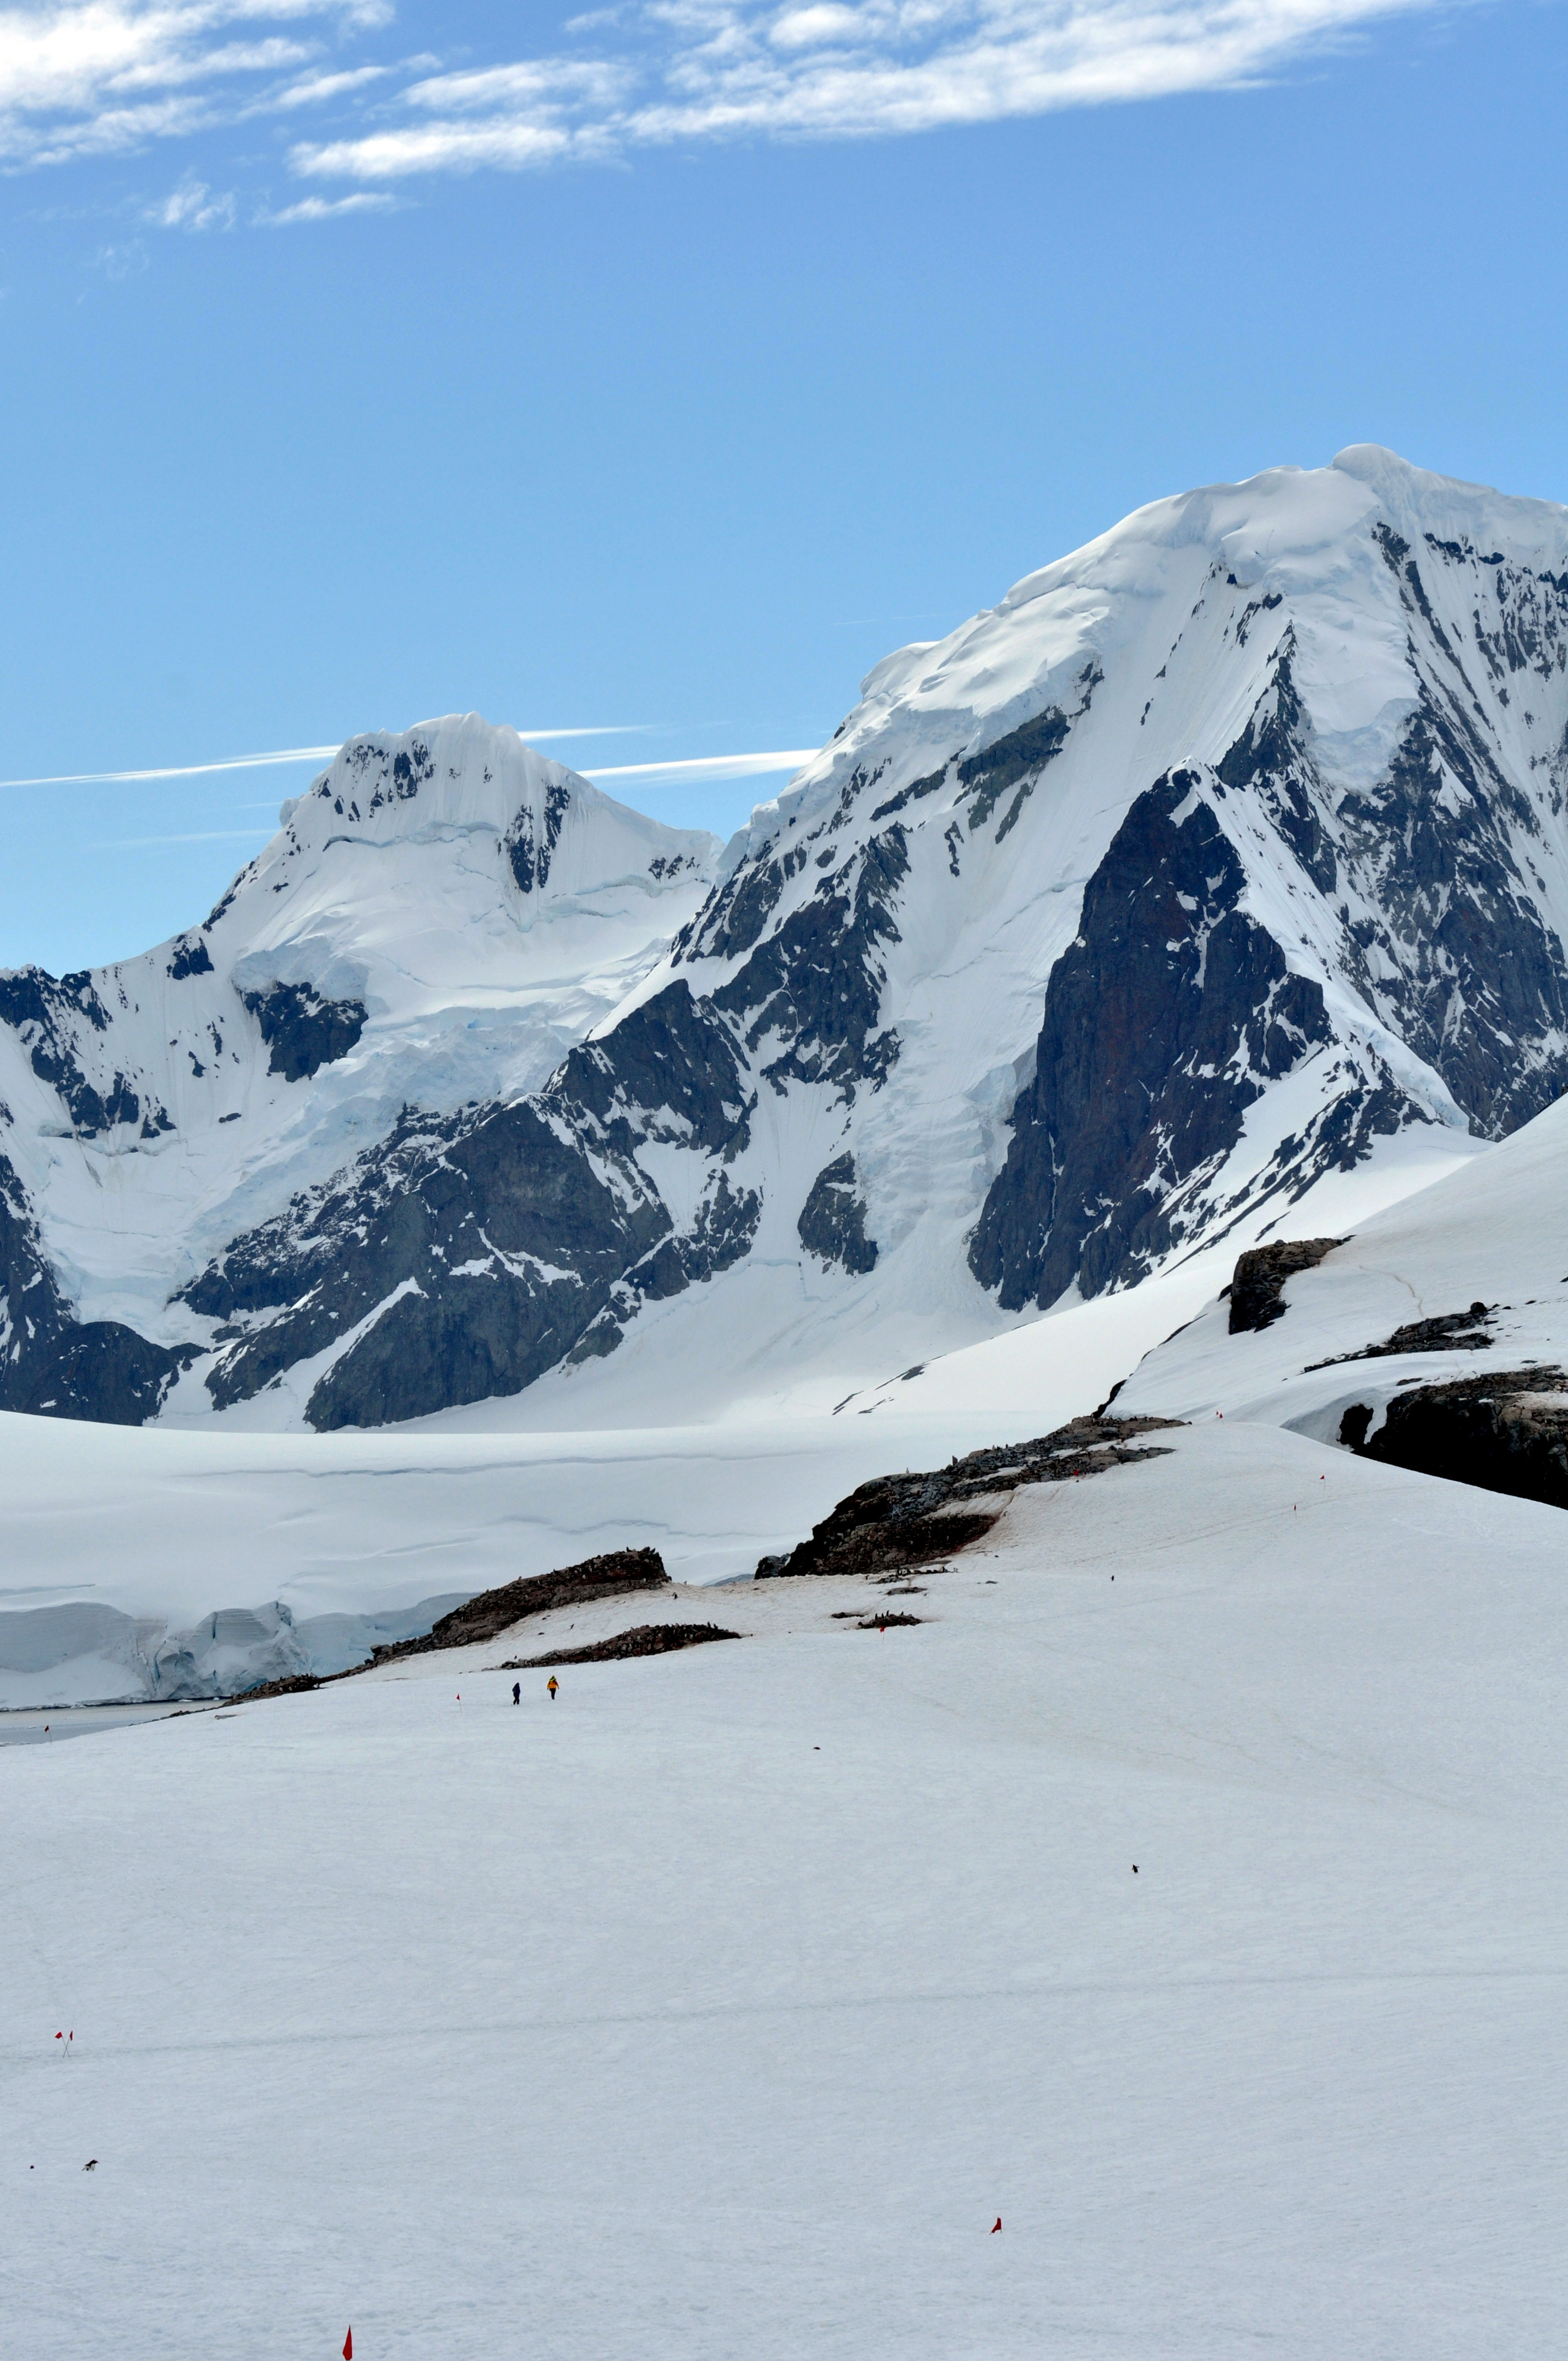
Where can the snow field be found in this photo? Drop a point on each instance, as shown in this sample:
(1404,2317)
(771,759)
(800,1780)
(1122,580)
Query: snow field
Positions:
(720,2008)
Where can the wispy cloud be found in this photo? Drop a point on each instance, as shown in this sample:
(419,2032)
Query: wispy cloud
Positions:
(195,836)
(696,71)
(301,754)
(180,771)
(193,206)
(711,766)
(81,77)
(316,209)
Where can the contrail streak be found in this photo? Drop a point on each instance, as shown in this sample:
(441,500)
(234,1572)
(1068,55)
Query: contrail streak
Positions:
(262,761)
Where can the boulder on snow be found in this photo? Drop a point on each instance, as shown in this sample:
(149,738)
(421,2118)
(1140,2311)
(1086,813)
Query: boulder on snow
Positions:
(1260,1276)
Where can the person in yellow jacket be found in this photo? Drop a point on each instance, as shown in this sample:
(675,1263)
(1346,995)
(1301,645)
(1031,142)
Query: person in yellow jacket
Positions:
(550,1685)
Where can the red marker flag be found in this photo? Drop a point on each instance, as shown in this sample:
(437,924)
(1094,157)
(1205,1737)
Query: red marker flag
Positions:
(996,2225)
(348,2346)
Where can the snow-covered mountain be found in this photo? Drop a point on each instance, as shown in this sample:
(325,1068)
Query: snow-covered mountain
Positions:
(1213,882)
(436,923)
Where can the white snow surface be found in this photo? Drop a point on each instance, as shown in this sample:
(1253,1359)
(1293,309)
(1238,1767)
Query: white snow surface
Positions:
(723,2005)
(1494,1232)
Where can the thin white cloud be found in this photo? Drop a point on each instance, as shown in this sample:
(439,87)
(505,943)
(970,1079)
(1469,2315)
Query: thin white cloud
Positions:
(710,70)
(712,766)
(84,77)
(180,771)
(316,89)
(197,835)
(192,206)
(79,77)
(316,209)
(299,754)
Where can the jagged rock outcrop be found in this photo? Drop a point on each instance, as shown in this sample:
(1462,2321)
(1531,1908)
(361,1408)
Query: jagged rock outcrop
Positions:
(898,1520)
(612,1575)
(1446,1332)
(1257,1284)
(832,1224)
(1506,1432)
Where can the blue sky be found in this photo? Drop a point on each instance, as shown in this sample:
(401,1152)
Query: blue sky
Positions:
(657,370)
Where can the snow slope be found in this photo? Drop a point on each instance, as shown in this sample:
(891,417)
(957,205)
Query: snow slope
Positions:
(722,2006)
(1493,1234)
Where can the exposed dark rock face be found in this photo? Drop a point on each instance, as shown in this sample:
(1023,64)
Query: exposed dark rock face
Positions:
(644,1639)
(1450,1331)
(503,1236)
(51,1362)
(832,1224)
(1469,976)
(303,1031)
(47,1014)
(899,1520)
(1506,1432)
(1258,1287)
(1012,765)
(1467,972)
(191,958)
(815,986)
(1163,1022)
(528,849)
(490,1612)
(480,1249)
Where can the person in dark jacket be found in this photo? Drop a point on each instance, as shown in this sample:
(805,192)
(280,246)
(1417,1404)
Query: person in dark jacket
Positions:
(517,1692)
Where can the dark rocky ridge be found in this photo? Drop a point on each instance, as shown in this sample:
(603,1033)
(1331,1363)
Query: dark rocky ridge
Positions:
(643,1640)
(49,1014)
(917,1520)
(1449,1331)
(1258,1287)
(511,1231)
(1507,1432)
(490,1612)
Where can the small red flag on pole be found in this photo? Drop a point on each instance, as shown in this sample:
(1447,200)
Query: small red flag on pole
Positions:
(348,2346)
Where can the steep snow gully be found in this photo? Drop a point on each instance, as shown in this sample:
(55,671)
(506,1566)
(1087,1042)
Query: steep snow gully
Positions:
(1222,860)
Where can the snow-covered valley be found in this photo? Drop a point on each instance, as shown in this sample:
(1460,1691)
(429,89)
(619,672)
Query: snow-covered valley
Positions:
(724,2003)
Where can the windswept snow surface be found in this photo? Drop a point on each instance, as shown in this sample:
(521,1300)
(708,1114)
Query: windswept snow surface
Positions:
(720,2007)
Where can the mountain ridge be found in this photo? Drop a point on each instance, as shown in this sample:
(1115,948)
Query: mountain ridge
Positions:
(1222,859)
